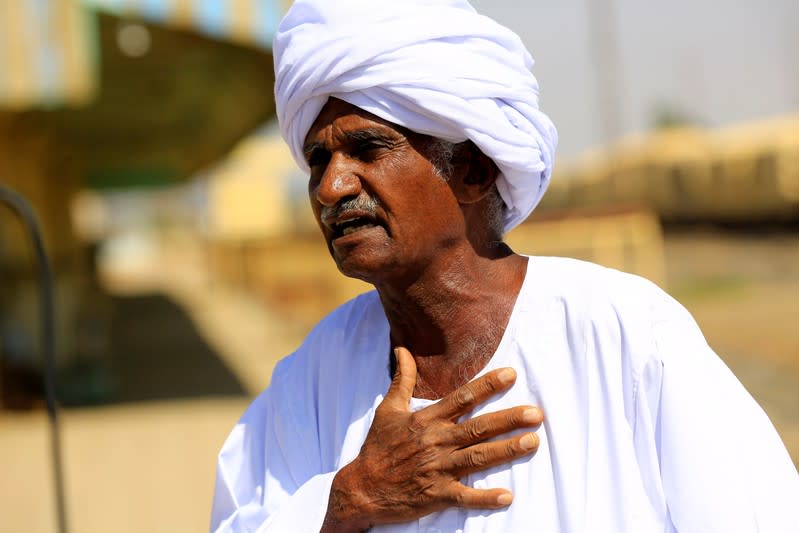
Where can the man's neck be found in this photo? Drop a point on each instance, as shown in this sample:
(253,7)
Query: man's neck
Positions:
(453,314)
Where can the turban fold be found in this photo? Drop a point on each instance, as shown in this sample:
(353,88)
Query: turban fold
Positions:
(436,67)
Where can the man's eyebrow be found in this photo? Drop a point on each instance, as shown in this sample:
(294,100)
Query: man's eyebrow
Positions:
(370,134)
(312,147)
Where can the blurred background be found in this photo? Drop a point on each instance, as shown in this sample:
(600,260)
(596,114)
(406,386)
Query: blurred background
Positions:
(186,261)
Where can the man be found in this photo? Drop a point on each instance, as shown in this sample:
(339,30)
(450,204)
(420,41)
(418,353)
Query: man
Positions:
(418,124)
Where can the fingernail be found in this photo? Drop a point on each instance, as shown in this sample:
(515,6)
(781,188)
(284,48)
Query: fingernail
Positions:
(529,441)
(506,375)
(504,499)
(531,415)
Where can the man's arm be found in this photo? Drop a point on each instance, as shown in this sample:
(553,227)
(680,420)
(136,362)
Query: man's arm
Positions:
(722,465)
(410,464)
(269,473)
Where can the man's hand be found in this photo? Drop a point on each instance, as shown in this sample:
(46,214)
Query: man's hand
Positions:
(410,464)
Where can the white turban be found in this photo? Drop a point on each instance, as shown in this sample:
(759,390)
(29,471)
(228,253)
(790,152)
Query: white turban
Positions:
(436,67)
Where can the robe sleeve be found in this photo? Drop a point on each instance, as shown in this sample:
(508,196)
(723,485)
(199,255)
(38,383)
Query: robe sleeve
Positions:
(268,471)
(722,465)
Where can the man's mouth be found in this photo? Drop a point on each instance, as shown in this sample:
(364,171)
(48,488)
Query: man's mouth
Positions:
(353,225)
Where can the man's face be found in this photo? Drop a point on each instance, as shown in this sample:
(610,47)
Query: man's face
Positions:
(382,208)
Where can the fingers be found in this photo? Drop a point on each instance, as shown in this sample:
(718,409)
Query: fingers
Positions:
(466,397)
(486,455)
(401,390)
(493,424)
(471,498)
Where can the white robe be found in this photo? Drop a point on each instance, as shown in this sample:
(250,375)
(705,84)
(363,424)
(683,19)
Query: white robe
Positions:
(646,429)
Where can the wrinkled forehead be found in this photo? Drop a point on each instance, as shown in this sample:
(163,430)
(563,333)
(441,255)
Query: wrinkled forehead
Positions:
(343,113)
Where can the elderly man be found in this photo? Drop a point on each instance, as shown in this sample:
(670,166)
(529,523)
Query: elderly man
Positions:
(418,124)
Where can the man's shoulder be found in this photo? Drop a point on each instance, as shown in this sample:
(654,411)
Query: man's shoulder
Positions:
(585,283)
(594,298)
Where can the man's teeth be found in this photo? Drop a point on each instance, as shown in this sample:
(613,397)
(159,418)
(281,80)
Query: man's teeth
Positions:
(352,229)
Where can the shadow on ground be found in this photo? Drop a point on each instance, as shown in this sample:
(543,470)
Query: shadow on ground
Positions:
(143,348)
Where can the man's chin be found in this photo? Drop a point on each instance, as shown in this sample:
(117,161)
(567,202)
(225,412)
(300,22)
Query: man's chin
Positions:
(356,271)
(363,265)
(363,255)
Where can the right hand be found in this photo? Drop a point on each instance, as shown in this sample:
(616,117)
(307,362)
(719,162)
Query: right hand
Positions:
(410,464)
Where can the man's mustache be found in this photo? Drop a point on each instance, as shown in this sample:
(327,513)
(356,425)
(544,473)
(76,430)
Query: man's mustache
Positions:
(365,204)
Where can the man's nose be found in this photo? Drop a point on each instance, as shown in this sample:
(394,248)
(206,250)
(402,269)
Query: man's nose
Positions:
(339,181)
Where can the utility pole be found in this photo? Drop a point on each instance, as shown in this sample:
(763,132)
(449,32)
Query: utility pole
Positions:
(791,39)
(607,69)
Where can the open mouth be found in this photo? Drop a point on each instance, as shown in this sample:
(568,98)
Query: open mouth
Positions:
(353,225)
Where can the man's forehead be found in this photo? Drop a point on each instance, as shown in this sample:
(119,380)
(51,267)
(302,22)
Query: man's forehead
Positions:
(336,109)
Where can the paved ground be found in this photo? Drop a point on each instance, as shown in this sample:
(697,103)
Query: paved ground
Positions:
(145,466)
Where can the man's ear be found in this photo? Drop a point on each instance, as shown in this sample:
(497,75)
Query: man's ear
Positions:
(474,174)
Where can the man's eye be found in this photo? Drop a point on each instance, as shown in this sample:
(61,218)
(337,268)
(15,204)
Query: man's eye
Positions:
(318,158)
(369,150)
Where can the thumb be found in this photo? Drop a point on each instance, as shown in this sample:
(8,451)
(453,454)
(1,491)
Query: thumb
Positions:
(404,381)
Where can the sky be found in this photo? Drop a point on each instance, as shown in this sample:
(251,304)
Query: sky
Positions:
(715,62)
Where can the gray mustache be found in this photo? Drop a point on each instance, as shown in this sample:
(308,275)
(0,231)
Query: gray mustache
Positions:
(361,203)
